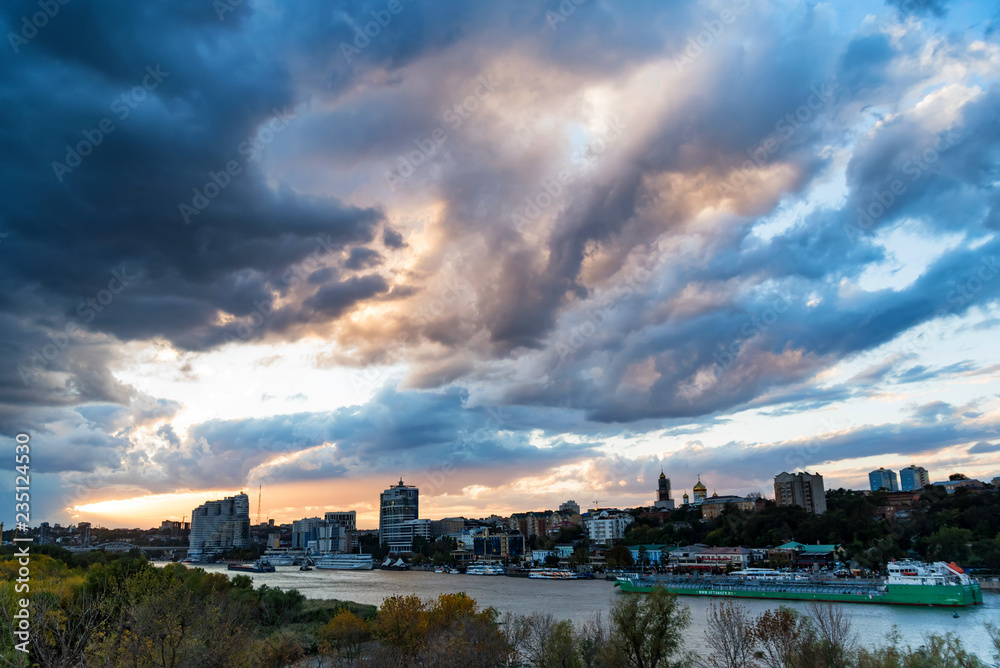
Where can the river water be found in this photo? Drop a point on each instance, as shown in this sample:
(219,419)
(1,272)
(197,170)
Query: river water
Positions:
(578,600)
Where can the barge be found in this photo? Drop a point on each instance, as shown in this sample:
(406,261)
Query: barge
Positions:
(909,583)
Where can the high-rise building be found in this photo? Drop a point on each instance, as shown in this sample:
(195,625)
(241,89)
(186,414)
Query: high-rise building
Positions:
(663,500)
(883,478)
(43,533)
(217,526)
(570,507)
(84,529)
(800,489)
(913,478)
(397,505)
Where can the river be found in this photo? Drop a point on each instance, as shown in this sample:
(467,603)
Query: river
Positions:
(578,600)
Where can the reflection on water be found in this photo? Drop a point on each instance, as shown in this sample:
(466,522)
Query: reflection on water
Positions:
(578,600)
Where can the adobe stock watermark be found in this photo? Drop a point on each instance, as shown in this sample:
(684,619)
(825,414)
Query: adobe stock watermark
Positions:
(37,21)
(752,330)
(363,36)
(87,311)
(714,28)
(596,318)
(565,10)
(252,148)
(122,106)
(784,129)
(883,200)
(429,146)
(550,191)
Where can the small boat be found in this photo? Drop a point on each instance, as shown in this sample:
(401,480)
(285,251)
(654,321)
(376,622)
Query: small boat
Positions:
(262,565)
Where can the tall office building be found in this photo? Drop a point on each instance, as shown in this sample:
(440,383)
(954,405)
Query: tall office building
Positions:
(663,500)
(800,489)
(883,478)
(913,478)
(84,529)
(217,526)
(398,505)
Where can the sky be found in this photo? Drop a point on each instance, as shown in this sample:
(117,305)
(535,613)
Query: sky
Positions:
(513,253)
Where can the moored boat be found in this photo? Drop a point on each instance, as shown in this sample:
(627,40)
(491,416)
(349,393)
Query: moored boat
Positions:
(552,574)
(345,562)
(262,565)
(485,569)
(909,583)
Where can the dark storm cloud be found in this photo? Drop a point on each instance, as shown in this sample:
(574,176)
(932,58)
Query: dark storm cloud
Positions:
(117,209)
(651,299)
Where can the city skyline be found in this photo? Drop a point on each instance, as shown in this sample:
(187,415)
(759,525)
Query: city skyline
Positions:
(510,254)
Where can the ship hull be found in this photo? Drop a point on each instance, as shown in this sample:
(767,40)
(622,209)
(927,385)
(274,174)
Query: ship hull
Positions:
(251,569)
(346,567)
(927,595)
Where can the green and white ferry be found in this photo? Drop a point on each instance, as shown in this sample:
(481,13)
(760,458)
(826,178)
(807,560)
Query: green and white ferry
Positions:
(909,583)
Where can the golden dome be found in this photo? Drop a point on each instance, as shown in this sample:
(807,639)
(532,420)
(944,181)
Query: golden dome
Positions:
(699,487)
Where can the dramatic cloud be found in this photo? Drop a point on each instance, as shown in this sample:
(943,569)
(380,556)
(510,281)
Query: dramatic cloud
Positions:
(540,246)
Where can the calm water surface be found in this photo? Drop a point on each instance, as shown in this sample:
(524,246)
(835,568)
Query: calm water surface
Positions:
(578,600)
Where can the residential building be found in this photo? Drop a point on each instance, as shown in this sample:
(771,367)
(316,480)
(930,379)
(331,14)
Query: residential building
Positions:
(570,507)
(398,505)
(663,500)
(174,528)
(347,520)
(43,533)
(217,526)
(715,504)
(305,531)
(494,544)
(411,529)
(958,480)
(606,526)
(800,489)
(913,478)
(883,478)
(539,523)
(447,526)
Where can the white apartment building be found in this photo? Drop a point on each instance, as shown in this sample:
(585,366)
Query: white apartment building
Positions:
(607,526)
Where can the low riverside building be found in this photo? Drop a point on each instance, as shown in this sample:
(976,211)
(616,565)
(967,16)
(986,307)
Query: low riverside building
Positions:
(655,555)
(724,558)
(811,555)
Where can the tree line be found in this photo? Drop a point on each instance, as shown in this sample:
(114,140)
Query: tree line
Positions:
(109,611)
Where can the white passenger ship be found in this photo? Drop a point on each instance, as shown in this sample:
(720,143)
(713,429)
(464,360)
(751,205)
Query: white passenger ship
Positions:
(485,569)
(345,562)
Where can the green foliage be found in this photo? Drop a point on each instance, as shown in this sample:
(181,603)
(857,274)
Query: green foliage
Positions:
(962,527)
(648,630)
